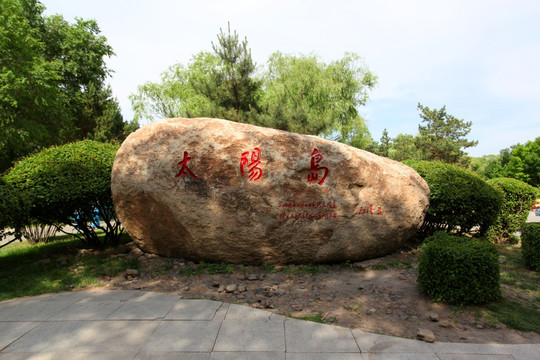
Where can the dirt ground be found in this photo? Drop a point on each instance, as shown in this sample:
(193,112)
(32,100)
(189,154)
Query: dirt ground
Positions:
(379,296)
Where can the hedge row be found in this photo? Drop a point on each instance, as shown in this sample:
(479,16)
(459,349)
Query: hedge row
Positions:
(459,199)
(65,186)
(458,270)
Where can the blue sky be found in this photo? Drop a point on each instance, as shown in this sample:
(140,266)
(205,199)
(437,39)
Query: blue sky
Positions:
(479,58)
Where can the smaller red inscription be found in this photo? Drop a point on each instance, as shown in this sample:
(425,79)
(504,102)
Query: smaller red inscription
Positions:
(369,210)
(315,168)
(255,172)
(184,167)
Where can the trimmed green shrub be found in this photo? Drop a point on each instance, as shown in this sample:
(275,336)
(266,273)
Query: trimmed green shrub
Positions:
(67,184)
(530,245)
(459,200)
(13,211)
(518,197)
(458,270)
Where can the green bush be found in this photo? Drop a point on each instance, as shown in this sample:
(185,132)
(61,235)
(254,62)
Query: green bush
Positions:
(459,270)
(530,245)
(459,200)
(66,184)
(13,210)
(518,197)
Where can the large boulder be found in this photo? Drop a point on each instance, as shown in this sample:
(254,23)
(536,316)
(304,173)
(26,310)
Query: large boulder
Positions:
(218,191)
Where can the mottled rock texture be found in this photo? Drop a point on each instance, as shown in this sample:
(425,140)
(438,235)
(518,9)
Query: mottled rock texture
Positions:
(218,191)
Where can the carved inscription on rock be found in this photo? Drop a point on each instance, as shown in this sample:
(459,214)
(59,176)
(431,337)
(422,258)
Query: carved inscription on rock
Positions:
(214,190)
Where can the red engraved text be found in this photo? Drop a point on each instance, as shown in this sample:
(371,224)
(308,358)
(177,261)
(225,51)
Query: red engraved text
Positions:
(184,167)
(316,169)
(255,172)
(370,210)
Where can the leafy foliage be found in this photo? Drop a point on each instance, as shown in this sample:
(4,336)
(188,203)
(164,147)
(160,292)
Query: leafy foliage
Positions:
(518,197)
(521,162)
(458,270)
(13,210)
(52,82)
(442,138)
(459,199)
(530,245)
(66,184)
(294,93)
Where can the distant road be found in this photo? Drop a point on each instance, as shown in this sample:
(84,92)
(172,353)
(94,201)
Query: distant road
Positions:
(533,218)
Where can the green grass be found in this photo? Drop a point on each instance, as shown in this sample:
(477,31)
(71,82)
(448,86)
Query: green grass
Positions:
(28,270)
(520,307)
(318,318)
(207,268)
(515,315)
(305,269)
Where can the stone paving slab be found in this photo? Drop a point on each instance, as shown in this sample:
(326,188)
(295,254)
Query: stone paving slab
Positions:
(142,310)
(399,356)
(373,343)
(32,309)
(137,325)
(11,331)
(245,335)
(194,310)
(183,336)
(310,337)
(85,336)
(524,351)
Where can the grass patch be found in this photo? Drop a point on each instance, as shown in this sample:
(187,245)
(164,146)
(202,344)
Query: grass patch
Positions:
(305,269)
(515,315)
(207,268)
(29,270)
(318,318)
(400,263)
(271,269)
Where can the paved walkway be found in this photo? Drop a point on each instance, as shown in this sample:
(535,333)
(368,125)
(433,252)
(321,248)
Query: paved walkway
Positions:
(126,324)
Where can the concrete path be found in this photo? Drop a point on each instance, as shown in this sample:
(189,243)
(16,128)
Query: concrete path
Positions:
(126,324)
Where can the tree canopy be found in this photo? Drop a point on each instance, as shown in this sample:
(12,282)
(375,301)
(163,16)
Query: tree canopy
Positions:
(294,93)
(441,137)
(52,82)
(520,161)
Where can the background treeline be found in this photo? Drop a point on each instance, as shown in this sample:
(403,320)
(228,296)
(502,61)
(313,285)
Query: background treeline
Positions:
(52,82)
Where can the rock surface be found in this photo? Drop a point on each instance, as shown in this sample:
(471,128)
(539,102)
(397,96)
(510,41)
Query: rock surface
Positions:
(214,190)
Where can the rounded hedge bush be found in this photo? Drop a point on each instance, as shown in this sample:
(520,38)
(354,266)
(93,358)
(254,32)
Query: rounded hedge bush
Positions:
(458,270)
(518,198)
(13,210)
(530,245)
(459,200)
(66,184)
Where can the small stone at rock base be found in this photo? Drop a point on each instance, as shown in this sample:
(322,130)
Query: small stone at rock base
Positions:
(187,288)
(425,335)
(446,325)
(297,307)
(221,288)
(231,288)
(370,311)
(260,291)
(252,277)
(241,289)
(132,272)
(434,317)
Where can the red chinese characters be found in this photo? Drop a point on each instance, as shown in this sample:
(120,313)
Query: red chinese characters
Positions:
(369,211)
(184,167)
(315,168)
(255,172)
